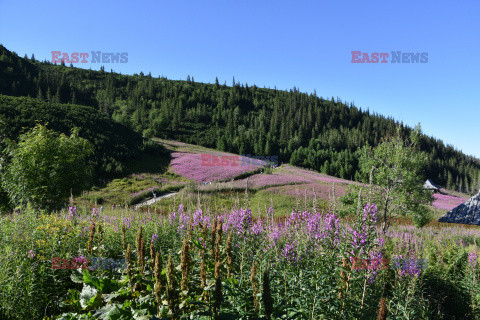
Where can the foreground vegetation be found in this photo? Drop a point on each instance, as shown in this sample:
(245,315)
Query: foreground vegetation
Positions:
(194,263)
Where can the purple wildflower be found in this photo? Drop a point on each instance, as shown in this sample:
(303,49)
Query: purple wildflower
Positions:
(472,259)
(95,213)
(197,217)
(408,266)
(289,253)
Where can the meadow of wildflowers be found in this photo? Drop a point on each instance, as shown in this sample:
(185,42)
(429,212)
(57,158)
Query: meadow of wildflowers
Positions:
(259,181)
(193,263)
(314,176)
(447,202)
(190,165)
(285,179)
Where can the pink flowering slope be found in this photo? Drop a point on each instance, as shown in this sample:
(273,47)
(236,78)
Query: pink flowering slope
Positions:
(260,181)
(309,174)
(191,166)
(293,179)
(314,183)
(275,179)
(321,190)
(447,202)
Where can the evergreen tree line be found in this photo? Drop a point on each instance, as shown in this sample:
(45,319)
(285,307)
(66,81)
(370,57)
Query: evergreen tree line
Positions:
(303,129)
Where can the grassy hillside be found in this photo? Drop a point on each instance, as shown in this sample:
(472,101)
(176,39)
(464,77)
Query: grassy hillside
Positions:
(302,129)
(223,187)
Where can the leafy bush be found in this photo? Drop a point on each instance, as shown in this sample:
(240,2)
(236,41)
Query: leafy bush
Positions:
(45,167)
(395,168)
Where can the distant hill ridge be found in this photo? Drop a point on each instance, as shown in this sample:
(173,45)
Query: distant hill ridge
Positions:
(303,129)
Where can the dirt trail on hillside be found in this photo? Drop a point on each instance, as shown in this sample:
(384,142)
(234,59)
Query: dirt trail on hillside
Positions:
(152,201)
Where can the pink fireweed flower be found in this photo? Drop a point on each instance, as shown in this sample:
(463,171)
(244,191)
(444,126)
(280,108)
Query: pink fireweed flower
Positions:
(172,216)
(472,259)
(31,254)
(257,228)
(270,211)
(95,213)
(289,253)
(197,217)
(181,209)
(370,213)
(183,221)
(72,212)
(364,233)
(331,228)
(274,235)
(408,266)
(238,220)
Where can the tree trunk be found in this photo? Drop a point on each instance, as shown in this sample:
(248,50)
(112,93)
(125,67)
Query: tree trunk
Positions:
(385,212)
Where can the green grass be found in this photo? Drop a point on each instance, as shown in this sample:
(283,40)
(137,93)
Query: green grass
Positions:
(146,172)
(258,202)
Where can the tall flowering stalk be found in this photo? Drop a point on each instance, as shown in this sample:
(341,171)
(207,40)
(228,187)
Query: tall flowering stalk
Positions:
(128,261)
(72,212)
(364,232)
(100,239)
(140,244)
(152,255)
(344,280)
(124,238)
(139,238)
(218,240)
(95,214)
(228,252)
(172,294)
(213,234)
(203,268)
(90,238)
(203,271)
(185,262)
(472,259)
(382,309)
(218,294)
(254,281)
(158,282)
(141,256)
